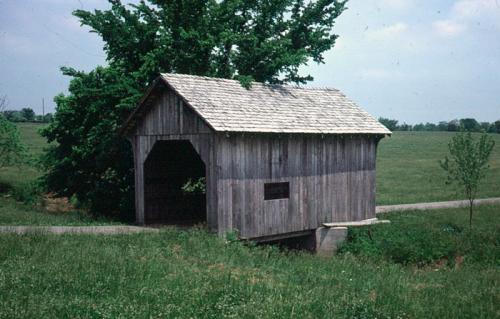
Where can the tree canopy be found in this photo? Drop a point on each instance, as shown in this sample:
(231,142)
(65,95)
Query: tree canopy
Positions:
(265,40)
(28,114)
(260,40)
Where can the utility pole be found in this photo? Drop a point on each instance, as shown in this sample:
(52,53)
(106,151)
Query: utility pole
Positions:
(43,109)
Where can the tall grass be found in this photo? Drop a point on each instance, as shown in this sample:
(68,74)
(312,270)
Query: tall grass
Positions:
(194,274)
(440,237)
(13,212)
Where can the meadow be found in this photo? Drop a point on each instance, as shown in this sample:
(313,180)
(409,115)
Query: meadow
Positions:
(24,174)
(422,265)
(194,274)
(408,169)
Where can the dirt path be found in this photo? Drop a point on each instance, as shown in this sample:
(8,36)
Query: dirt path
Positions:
(435,205)
(137,229)
(77,229)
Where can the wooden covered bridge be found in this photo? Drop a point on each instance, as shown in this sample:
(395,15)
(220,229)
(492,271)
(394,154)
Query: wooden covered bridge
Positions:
(277,160)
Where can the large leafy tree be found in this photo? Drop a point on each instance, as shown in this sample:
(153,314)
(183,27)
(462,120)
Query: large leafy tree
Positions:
(258,40)
(28,114)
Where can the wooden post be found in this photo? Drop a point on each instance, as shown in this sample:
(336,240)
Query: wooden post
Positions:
(138,148)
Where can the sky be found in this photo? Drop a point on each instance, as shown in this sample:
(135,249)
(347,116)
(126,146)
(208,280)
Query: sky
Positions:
(414,61)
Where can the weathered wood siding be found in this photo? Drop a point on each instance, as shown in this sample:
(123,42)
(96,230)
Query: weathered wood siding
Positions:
(332,178)
(167,115)
(168,118)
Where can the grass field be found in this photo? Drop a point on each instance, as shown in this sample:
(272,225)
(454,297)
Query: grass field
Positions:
(193,274)
(422,265)
(408,170)
(20,176)
(13,212)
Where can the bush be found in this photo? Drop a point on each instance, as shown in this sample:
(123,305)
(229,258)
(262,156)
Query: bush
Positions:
(409,241)
(12,151)
(28,193)
(13,116)
(403,246)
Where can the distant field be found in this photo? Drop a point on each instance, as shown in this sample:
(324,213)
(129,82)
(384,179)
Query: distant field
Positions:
(407,167)
(19,176)
(408,170)
(31,137)
(422,265)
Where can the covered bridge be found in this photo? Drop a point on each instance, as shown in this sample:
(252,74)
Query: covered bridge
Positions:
(278,160)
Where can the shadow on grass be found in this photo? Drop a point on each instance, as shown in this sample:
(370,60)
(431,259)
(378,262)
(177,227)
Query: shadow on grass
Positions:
(5,188)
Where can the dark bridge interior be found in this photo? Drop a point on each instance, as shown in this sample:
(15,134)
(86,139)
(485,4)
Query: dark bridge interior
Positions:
(169,166)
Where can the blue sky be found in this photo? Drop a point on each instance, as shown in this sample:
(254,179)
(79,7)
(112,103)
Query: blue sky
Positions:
(411,60)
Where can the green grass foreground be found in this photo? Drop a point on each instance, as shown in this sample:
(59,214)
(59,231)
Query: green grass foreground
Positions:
(408,169)
(422,265)
(194,274)
(16,213)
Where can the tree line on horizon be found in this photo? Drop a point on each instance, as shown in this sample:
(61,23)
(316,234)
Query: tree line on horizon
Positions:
(456,125)
(26,114)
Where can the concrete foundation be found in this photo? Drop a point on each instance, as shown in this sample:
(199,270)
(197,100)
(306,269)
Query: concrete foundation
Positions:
(328,239)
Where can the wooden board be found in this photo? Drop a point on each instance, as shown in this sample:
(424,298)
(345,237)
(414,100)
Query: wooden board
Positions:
(331,178)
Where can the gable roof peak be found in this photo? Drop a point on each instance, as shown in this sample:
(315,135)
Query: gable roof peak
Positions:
(273,108)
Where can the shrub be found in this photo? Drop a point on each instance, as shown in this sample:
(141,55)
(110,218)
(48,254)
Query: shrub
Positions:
(410,241)
(28,193)
(467,164)
(12,151)
(13,116)
(409,246)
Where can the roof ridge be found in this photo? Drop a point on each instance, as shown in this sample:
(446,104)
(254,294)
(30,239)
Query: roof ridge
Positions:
(271,108)
(293,86)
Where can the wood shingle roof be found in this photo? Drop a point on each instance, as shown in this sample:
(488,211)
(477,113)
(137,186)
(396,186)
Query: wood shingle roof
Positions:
(228,107)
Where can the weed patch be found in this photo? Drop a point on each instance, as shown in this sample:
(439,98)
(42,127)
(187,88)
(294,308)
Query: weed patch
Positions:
(417,238)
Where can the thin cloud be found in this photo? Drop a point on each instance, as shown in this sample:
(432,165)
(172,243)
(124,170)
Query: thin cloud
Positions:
(401,5)
(465,14)
(16,44)
(448,28)
(378,74)
(388,32)
(475,8)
